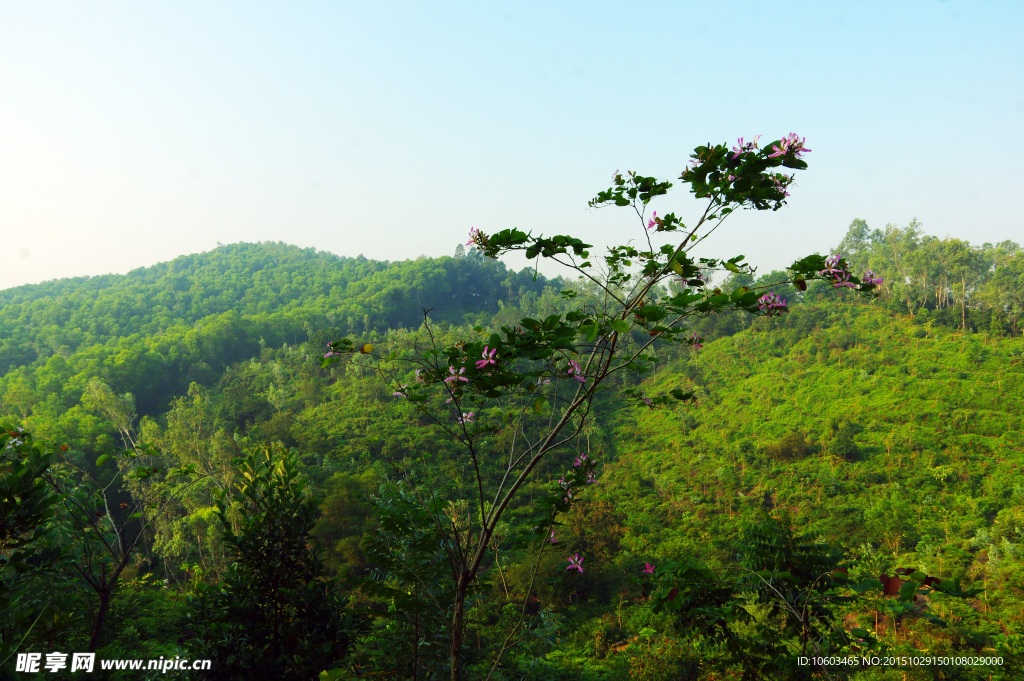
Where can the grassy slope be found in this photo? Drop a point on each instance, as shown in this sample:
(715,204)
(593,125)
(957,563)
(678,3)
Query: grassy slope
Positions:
(936,482)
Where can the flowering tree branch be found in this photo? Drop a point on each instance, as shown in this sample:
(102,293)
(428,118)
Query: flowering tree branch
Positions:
(558,366)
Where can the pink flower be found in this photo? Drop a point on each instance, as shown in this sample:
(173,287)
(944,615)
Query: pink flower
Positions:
(332,354)
(580,460)
(870,277)
(552,539)
(401,391)
(591,479)
(695,340)
(653,222)
(836,270)
(456,376)
(789,145)
(474,236)
(832,264)
(782,181)
(575,371)
(487,359)
(615,175)
(419,379)
(466,418)
(772,303)
(742,148)
(575,563)
(842,279)
(648,568)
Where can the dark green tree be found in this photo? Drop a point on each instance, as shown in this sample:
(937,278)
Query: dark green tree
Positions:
(26,508)
(275,614)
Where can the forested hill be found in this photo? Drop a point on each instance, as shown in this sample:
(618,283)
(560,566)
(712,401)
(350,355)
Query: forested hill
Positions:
(892,428)
(156,329)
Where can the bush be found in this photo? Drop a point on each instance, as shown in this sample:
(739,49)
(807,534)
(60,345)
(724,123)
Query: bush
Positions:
(791,446)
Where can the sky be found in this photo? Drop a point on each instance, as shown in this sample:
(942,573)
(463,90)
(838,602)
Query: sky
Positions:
(132,133)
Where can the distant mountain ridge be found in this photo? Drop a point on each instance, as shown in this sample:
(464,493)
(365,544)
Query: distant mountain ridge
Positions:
(154,330)
(352,294)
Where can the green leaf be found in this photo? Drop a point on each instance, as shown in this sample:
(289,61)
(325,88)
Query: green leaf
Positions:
(869,584)
(620,325)
(102,460)
(731,267)
(539,404)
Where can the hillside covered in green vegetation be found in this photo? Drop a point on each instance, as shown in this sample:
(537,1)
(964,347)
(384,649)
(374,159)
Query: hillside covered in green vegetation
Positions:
(894,430)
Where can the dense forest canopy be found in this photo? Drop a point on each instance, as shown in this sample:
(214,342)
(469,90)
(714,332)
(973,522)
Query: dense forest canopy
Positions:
(893,429)
(155,330)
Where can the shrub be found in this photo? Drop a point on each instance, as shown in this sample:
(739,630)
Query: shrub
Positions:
(791,446)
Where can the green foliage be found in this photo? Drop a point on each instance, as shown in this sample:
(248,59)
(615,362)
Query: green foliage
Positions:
(891,435)
(26,506)
(154,331)
(790,447)
(784,602)
(275,614)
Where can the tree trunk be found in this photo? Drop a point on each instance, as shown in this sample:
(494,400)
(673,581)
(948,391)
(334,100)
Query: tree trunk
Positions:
(963,303)
(101,616)
(415,647)
(458,625)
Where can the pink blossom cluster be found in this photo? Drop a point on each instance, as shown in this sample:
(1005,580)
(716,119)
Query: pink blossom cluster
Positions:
(575,371)
(870,277)
(834,270)
(772,303)
(566,486)
(466,418)
(742,148)
(789,145)
(782,181)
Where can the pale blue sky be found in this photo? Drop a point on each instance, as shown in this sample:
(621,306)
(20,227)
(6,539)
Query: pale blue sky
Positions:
(131,133)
